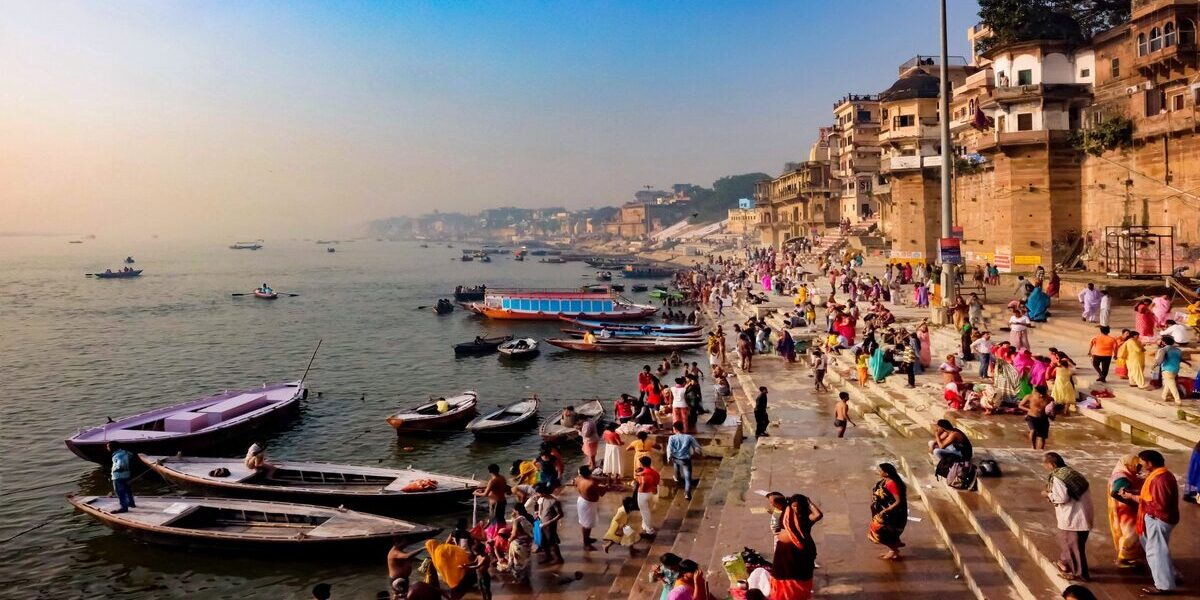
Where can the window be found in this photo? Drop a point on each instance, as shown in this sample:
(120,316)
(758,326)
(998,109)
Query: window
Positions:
(864,116)
(1025,122)
(1155,39)
(1141,44)
(1085,73)
(1025,77)
(1116,68)
(1155,101)
(883,113)
(905,120)
(1177,102)
(1168,35)
(1187,32)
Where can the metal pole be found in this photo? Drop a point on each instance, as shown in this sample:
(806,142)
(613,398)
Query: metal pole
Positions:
(947,156)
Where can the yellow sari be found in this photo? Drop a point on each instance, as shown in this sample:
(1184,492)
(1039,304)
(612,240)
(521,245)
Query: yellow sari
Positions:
(1063,391)
(1134,354)
(448,559)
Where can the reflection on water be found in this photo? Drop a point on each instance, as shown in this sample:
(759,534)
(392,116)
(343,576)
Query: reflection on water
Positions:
(80,350)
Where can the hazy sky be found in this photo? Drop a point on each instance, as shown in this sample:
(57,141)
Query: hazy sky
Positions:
(282,119)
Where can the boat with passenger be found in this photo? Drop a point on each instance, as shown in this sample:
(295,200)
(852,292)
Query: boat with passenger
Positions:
(246,246)
(549,305)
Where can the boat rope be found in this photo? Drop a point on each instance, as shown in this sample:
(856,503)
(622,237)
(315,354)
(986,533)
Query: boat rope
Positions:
(21,533)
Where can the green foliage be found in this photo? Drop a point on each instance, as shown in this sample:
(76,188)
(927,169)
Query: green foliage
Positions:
(1113,133)
(711,204)
(1013,21)
(965,166)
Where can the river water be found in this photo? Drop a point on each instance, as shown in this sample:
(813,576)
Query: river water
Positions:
(76,350)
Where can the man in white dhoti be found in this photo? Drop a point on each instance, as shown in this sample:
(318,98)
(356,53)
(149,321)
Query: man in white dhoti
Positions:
(1105,307)
(1090,299)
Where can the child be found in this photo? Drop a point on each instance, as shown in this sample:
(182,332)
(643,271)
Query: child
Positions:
(841,414)
(481,565)
(860,362)
(820,364)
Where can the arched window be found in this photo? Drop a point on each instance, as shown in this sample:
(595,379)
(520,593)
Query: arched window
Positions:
(1141,44)
(1155,39)
(1168,35)
(1187,32)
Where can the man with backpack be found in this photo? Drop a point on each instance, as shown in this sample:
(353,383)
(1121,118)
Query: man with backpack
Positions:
(1067,490)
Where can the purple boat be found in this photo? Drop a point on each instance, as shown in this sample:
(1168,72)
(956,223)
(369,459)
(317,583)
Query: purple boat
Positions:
(193,426)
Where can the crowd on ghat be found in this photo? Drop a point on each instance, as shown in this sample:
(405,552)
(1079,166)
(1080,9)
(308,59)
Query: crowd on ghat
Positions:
(843,314)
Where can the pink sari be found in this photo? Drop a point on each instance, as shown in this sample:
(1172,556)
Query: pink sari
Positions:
(1162,310)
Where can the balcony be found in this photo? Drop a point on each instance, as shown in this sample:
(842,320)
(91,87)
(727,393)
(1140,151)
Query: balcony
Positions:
(909,163)
(1162,124)
(998,141)
(1016,94)
(1175,56)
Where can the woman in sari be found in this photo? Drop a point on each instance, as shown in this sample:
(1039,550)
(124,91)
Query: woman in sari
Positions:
(1161,306)
(1143,319)
(1122,512)
(1134,354)
(1038,374)
(787,347)
(889,511)
(795,552)
(926,345)
(450,562)
(879,366)
(1006,381)
(1038,303)
(1063,391)
(520,544)
(1053,286)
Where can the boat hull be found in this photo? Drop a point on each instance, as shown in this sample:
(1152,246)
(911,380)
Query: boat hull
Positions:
(625,347)
(231,435)
(262,296)
(516,315)
(120,274)
(415,422)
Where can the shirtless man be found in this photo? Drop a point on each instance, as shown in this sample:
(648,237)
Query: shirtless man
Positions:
(1034,405)
(256,457)
(841,414)
(588,504)
(496,491)
(400,567)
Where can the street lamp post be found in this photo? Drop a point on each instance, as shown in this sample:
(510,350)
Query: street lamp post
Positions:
(947,156)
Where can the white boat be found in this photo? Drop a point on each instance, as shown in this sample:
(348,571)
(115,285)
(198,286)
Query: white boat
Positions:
(518,348)
(506,418)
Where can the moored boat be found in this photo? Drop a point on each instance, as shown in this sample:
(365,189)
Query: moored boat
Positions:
(506,418)
(604,276)
(631,334)
(438,413)
(647,272)
(626,346)
(464,294)
(552,428)
(638,287)
(120,274)
(518,348)
(357,487)
(246,246)
(554,260)
(481,345)
(544,305)
(192,426)
(222,523)
(665,327)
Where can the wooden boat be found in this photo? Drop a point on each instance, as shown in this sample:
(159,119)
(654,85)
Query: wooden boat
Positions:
(195,425)
(633,335)
(331,249)
(481,345)
(547,305)
(464,294)
(443,307)
(552,429)
(638,287)
(553,260)
(604,276)
(617,287)
(664,294)
(361,488)
(459,410)
(265,294)
(627,346)
(518,348)
(646,272)
(246,246)
(129,260)
(507,418)
(663,327)
(110,274)
(483,257)
(222,523)
(466,258)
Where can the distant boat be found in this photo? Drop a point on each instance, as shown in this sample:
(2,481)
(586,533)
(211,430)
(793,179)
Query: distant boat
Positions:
(123,274)
(464,294)
(75,242)
(554,260)
(129,260)
(331,249)
(549,305)
(246,246)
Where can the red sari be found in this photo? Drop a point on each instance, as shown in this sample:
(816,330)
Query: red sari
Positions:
(795,555)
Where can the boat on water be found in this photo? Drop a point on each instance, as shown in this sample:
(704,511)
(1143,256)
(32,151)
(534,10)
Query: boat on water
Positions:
(608,262)
(424,245)
(465,294)
(325,484)
(506,418)
(665,327)
(193,426)
(331,249)
(647,272)
(627,346)
(483,257)
(638,287)
(443,306)
(481,345)
(552,429)
(224,524)
(547,305)
(518,348)
(265,293)
(246,246)
(466,258)
(553,260)
(75,242)
(124,273)
(604,276)
(665,294)
(519,257)
(438,413)
(631,334)
(129,260)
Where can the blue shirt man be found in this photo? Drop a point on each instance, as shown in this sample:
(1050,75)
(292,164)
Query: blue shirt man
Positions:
(681,447)
(121,462)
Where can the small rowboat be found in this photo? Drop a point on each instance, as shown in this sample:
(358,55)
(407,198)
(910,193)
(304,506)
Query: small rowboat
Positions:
(586,324)
(481,345)
(195,425)
(372,489)
(443,307)
(627,346)
(220,523)
(265,294)
(552,429)
(638,287)
(519,348)
(458,409)
(665,294)
(507,418)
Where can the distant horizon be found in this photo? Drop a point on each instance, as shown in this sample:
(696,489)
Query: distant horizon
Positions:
(227,121)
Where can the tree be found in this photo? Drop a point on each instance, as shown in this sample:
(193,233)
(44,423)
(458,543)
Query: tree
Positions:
(1013,21)
(711,204)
